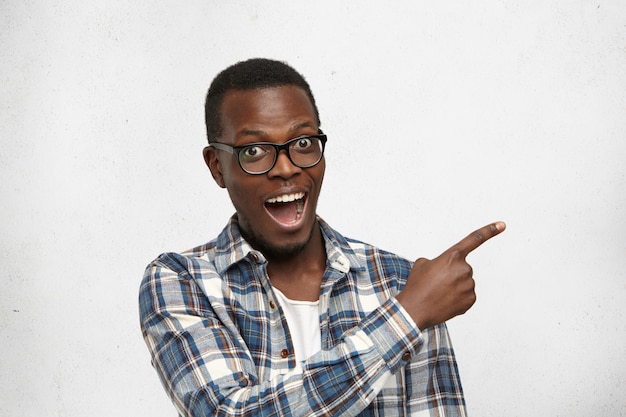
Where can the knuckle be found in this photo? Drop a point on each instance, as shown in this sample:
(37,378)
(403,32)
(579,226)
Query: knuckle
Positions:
(420,262)
(473,286)
(478,236)
(472,299)
(456,253)
(465,270)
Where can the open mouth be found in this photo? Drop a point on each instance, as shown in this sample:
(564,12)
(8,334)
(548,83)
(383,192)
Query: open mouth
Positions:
(287,208)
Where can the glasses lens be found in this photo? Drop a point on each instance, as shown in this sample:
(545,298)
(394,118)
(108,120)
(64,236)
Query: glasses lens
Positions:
(305,151)
(257,158)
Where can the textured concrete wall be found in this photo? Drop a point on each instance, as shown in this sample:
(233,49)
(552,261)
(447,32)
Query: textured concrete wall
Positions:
(441,116)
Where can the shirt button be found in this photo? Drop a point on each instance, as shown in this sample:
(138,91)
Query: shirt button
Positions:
(272,305)
(406,356)
(284,353)
(255,257)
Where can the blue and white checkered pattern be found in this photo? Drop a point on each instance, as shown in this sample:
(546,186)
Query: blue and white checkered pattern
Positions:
(221,344)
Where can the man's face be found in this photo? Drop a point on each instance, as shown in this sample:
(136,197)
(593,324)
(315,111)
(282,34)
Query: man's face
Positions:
(269,115)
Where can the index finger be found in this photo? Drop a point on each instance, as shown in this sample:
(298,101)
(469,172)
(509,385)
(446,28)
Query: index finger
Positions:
(478,237)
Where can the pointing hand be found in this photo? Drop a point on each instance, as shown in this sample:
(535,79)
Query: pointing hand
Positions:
(442,288)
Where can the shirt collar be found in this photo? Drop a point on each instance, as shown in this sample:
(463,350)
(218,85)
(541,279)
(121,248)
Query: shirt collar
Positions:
(339,253)
(232,248)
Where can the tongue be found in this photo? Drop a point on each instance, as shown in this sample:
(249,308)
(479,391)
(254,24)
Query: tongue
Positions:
(283,212)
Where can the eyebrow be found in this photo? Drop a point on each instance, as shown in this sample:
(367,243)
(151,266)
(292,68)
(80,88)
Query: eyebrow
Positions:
(249,132)
(303,124)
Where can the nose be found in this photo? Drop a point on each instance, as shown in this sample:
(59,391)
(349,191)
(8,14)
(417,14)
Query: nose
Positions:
(283,167)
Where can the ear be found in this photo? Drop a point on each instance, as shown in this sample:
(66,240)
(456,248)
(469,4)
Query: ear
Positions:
(212,161)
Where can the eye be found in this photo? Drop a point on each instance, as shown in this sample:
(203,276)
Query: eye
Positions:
(252,153)
(303,144)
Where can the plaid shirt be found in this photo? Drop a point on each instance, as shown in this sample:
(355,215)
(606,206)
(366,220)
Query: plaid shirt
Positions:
(221,345)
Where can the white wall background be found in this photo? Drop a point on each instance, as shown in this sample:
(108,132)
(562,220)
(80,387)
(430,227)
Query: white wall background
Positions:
(442,117)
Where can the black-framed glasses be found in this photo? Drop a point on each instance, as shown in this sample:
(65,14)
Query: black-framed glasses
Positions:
(260,157)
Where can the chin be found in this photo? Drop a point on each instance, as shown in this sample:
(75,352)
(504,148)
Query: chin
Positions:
(283,252)
(276,249)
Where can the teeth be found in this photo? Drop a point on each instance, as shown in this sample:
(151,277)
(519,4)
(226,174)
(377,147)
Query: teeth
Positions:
(286,198)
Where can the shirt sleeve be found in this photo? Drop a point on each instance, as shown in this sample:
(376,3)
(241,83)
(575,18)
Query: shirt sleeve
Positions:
(206,369)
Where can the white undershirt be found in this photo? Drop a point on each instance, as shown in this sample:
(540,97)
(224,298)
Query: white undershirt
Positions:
(303,319)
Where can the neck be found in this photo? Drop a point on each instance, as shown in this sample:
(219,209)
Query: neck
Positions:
(299,276)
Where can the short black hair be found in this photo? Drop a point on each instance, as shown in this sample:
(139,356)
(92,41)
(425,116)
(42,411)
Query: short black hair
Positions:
(251,74)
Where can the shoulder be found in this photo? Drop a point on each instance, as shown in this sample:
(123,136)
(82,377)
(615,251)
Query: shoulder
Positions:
(366,255)
(216,255)
(170,272)
(379,262)
(189,260)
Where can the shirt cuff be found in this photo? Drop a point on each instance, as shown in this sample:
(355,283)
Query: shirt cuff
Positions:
(394,334)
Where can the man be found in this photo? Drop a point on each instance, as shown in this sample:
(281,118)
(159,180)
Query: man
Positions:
(281,315)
